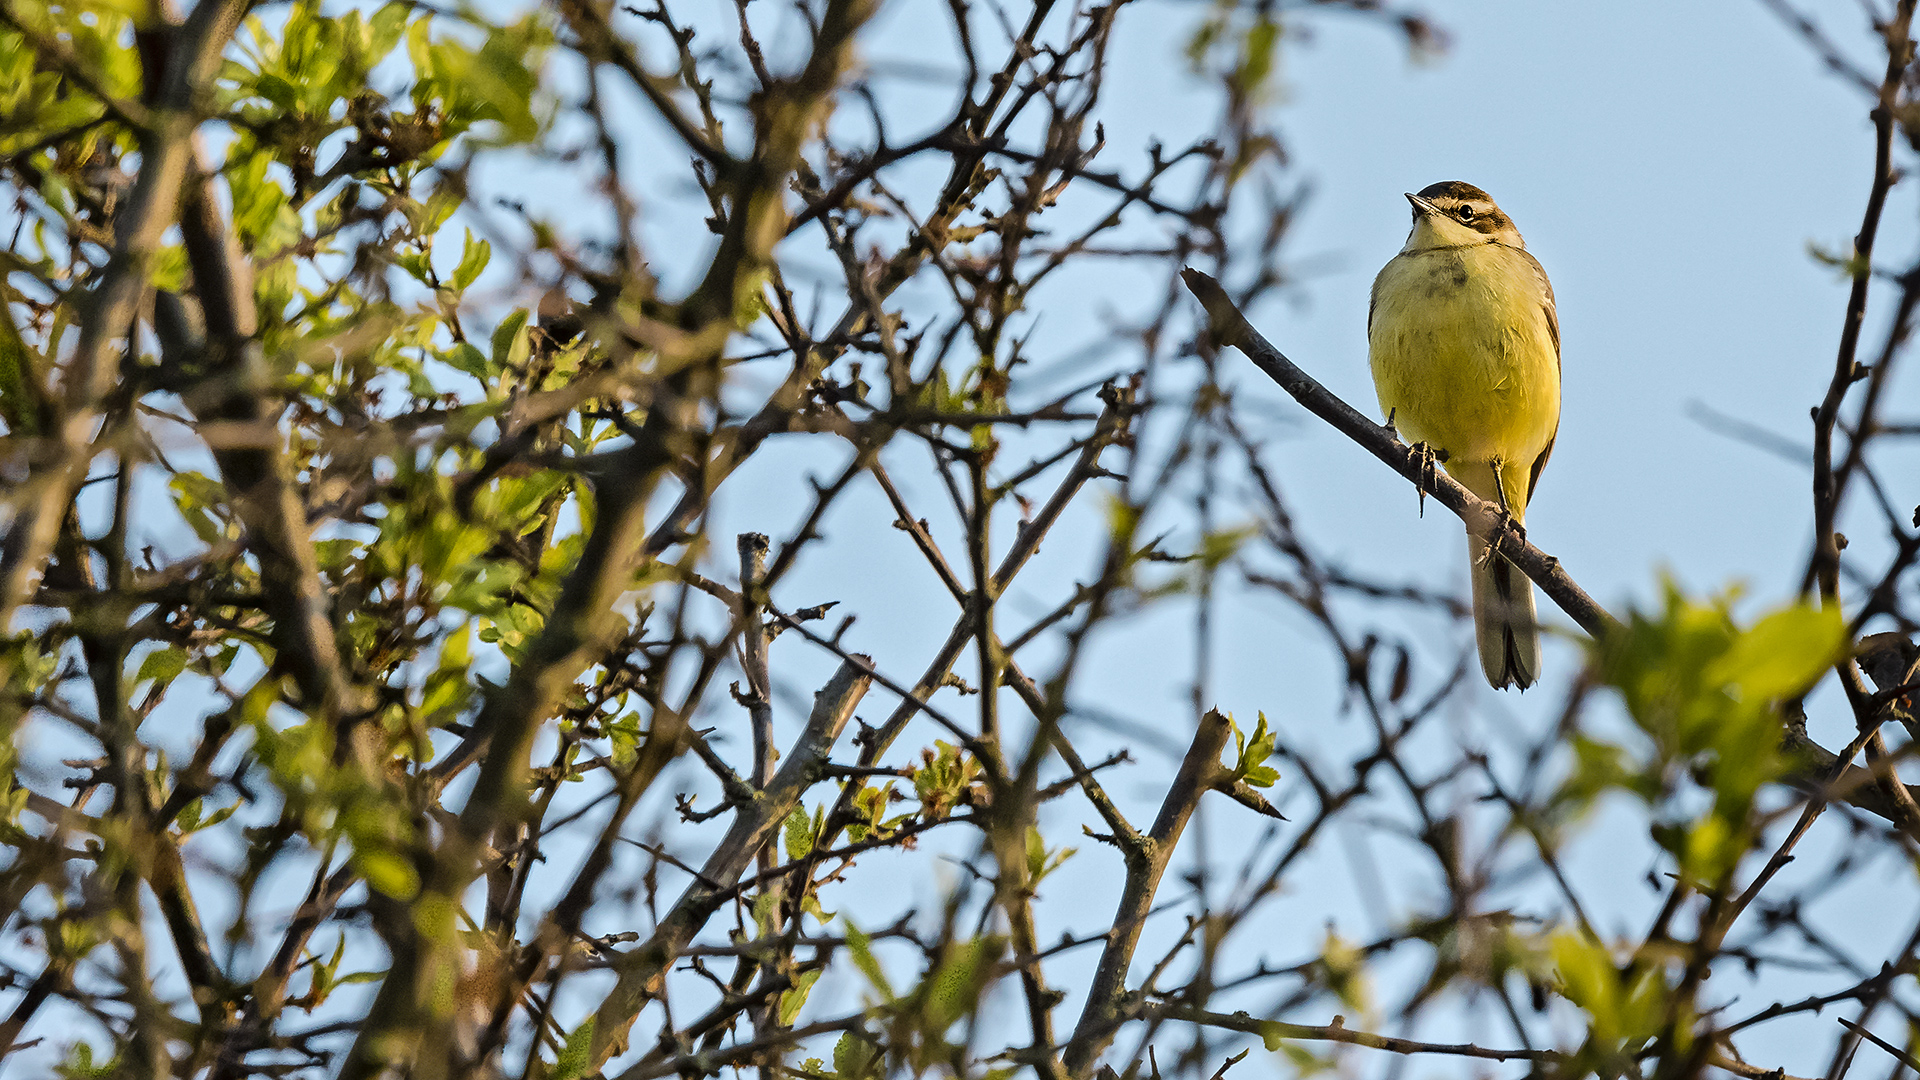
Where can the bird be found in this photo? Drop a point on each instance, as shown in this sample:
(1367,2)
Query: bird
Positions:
(1464,344)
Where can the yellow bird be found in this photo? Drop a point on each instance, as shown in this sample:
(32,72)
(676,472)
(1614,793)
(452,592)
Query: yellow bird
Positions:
(1465,350)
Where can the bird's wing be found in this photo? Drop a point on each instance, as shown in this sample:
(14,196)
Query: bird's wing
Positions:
(1553,331)
(1546,304)
(1373,298)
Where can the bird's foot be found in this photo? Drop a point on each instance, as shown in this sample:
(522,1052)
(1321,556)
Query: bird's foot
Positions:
(1503,522)
(1503,517)
(1425,455)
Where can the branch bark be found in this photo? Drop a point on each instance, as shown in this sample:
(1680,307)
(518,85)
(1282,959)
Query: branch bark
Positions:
(1147,860)
(1340,1033)
(640,968)
(1230,328)
(1814,764)
(166,149)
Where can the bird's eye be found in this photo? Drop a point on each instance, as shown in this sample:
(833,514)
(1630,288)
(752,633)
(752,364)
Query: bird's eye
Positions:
(1466,213)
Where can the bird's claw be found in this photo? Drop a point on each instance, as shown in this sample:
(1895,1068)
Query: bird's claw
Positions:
(1503,522)
(1424,459)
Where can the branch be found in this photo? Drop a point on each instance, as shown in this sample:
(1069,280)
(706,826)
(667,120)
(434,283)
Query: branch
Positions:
(1230,328)
(752,828)
(108,311)
(753,652)
(1823,569)
(233,389)
(1815,764)
(1274,1030)
(1899,1055)
(1147,861)
(1817,772)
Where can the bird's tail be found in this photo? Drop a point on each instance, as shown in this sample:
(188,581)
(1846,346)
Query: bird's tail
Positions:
(1504,620)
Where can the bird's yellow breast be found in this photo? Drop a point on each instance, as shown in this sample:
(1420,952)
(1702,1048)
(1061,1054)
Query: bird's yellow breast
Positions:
(1464,358)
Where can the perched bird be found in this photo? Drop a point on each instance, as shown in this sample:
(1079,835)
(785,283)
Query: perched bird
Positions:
(1465,350)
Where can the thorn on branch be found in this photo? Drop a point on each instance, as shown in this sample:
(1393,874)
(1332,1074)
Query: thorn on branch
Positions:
(1231,1062)
(811,614)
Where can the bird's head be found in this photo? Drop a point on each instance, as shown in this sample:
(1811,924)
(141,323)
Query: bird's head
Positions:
(1455,214)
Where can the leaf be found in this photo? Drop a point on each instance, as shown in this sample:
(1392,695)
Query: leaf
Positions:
(388,874)
(1589,980)
(510,341)
(1344,968)
(385,28)
(162,665)
(852,1056)
(465,358)
(1251,752)
(1782,654)
(953,990)
(861,946)
(799,834)
(419,51)
(764,912)
(811,905)
(473,259)
(792,1000)
(1039,862)
(1256,57)
(572,1061)
(20,394)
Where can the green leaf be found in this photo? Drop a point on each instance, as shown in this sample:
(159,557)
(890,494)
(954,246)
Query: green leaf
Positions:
(1589,980)
(861,946)
(1251,752)
(811,905)
(576,1055)
(385,28)
(953,990)
(473,259)
(764,912)
(20,393)
(419,52)
(387,873)
(799,834)
(469,360)
(853,1056)
(1782,654)
(510,341)
(1039,862)
(1256,56)
(162,665)
(1344,968)
(792,1000)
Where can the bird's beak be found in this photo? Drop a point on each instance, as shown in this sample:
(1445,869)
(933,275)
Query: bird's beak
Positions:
(1421,204)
